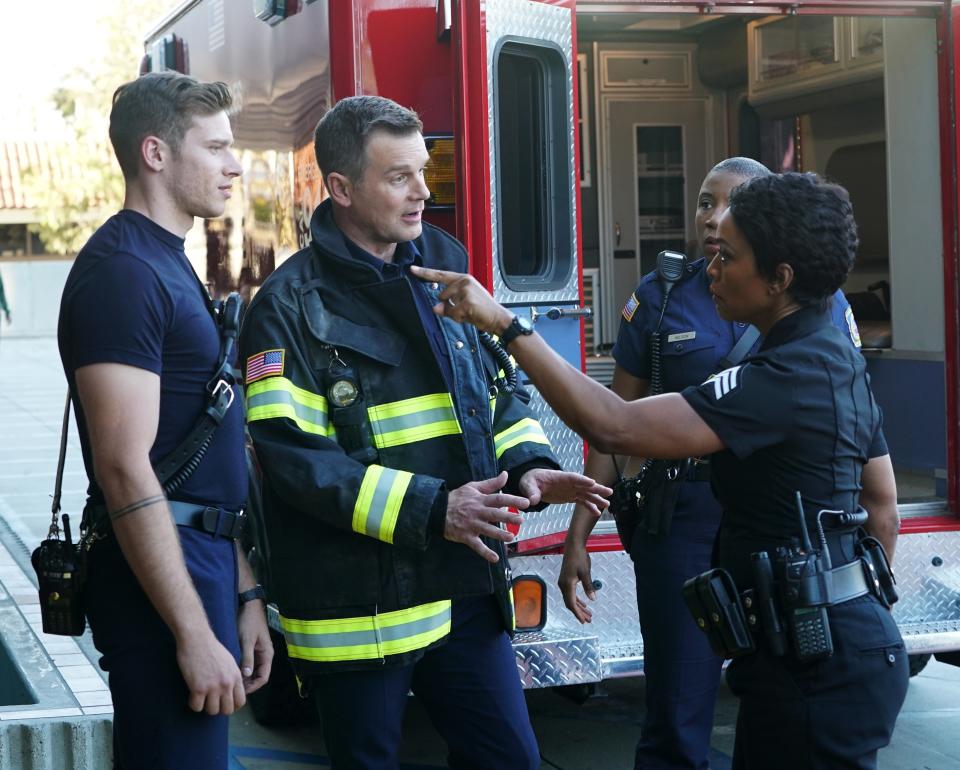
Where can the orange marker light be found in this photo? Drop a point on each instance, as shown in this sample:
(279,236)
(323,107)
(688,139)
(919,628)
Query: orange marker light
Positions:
(530,602)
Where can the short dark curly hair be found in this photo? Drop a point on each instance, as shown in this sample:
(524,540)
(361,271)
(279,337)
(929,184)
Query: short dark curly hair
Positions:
(801,220)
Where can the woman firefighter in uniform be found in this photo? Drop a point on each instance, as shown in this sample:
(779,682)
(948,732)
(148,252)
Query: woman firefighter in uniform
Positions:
(681,672)
(798,416)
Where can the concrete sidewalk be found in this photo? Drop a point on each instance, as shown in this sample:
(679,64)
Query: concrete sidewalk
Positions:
(55,706)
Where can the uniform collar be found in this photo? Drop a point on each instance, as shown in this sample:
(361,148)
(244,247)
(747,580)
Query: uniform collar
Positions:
(406,254)
(798,324)
(344,255)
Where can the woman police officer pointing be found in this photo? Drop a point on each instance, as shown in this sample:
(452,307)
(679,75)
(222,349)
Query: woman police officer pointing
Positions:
(681,672)
(799,415)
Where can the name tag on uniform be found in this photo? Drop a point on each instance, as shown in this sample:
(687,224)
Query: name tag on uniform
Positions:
(681,336)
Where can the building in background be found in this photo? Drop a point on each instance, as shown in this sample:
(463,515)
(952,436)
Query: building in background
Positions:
(33,279)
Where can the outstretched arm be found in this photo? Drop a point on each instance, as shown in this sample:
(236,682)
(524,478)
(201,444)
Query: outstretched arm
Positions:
(662,426)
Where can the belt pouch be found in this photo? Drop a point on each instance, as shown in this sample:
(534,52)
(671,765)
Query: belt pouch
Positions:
(714,602)
(878,571)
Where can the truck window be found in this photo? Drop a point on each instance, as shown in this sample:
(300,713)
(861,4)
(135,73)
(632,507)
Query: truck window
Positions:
(532,186)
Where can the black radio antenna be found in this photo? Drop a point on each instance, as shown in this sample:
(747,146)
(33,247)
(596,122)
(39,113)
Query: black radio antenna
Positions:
(803,525)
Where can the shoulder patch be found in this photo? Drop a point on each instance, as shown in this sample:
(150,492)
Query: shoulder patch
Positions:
(852,326)
(630,307)
(725,382)
(269,363)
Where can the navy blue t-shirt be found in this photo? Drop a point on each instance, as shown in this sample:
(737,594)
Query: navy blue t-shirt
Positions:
(133,298)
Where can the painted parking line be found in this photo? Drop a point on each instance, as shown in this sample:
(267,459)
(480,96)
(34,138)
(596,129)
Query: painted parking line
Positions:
(239,753)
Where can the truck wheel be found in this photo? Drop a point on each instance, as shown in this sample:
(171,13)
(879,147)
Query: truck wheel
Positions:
(918,663)
(278,702)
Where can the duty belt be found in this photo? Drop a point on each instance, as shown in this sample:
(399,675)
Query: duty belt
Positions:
(206,518)
(699,469)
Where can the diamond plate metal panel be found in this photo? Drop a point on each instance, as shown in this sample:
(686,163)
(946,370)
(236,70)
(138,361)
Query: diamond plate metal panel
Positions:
(928,613)
(535,21)
(568,447)
(615,620)
(928,579)
(555,657)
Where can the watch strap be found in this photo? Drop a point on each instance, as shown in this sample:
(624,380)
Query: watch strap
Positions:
(514,330)
(257,592)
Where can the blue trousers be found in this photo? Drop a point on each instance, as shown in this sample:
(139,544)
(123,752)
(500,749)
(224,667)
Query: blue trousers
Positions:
(682,673)
(153,728)
(470,689)
(830,714)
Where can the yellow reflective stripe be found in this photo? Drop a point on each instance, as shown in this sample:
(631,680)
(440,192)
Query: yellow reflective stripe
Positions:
(366,638)
(527,429)
(513,610)
(378,502)
(279,397)
(413,419)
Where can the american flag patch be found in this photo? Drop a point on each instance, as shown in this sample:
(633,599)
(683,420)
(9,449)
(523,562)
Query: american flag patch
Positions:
(631,307)
(264,364)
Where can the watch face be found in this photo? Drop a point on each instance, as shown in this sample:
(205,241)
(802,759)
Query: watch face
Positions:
(525,324)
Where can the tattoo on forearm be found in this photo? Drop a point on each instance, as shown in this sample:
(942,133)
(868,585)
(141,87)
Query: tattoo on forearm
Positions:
(136,506)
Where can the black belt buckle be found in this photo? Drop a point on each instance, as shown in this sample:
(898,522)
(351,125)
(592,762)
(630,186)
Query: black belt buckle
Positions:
(218,521)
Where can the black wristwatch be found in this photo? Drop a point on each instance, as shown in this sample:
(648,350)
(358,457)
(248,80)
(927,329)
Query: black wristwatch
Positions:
(519,325)
(250,594)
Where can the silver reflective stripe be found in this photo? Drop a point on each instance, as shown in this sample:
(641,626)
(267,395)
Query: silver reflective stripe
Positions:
(415,420)
(386,634)
(379,501)
(317,417)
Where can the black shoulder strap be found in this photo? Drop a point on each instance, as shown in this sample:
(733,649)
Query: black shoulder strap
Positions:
(738,351)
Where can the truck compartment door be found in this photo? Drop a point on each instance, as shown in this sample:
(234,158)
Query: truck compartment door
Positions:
(519,201)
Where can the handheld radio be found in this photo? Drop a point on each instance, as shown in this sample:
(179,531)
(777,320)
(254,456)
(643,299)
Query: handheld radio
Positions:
(799,572)
(60,566)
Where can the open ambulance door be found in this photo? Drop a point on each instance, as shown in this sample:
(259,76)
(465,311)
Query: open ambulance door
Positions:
(519,204)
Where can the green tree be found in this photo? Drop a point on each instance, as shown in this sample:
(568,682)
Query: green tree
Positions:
(82,184)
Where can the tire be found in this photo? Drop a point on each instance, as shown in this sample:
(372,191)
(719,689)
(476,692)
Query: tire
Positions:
(278,702)
(918,663)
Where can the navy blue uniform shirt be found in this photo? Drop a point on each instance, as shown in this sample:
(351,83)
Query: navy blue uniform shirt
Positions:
(798,415)
(695,338)
(133,298)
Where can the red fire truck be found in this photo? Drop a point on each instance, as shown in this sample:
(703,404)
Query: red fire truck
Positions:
(568,141)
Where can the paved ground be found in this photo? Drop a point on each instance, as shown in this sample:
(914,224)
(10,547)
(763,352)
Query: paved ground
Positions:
(597,735)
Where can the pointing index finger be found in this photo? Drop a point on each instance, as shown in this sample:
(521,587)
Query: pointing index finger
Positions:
(429,274)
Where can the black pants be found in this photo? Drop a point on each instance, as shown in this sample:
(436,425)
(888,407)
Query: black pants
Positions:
(682,673)
(153,728)
(469,686)
(830,714)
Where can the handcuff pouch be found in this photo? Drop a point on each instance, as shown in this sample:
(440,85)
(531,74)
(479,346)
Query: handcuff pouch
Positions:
(718,611)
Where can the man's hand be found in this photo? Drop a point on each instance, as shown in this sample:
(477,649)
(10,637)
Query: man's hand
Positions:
(576,569)
(478,508)
(552,486)
(256,649)
(212,675)
(466,301)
